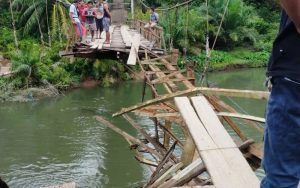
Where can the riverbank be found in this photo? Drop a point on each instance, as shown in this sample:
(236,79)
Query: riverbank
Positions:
(238,58)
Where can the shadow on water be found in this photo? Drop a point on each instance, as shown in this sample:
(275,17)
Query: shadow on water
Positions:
(58,140)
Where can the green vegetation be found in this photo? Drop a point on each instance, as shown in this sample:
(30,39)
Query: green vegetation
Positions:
(43,28)
(42,31)
(245,38)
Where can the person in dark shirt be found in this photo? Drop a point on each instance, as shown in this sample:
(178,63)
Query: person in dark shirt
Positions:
(282,133)
(90,22)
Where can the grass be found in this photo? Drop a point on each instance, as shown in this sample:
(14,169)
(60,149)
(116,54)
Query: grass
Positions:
(234,59)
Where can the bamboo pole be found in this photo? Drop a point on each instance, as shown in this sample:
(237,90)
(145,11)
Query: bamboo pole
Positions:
(262,95)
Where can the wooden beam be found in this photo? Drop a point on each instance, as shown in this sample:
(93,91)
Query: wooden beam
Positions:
(163,162)
(134,50)
(242,116)
(197,167)
(222,139)
(172,80)
(166,175)
(168,76)
(207,91)
(223,160)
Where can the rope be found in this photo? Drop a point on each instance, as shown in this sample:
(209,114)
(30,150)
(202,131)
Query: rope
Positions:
(167,9)
(241,108)
(215,40)
(219,29)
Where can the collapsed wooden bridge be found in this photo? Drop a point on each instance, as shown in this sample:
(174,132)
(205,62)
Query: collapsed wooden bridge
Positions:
(204,155)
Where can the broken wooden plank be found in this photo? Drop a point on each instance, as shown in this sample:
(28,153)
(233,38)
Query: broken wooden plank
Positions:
(223,140)
(166,175)
(134,50)
(172,80)
(197,167)
(224,162)
(163,162)
(168,76)
(207,91)
(126,36)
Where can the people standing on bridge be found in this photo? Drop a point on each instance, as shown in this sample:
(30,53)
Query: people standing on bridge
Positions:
(99,18)
(80,30)
(90,22)
(154,19)
(106,21)
(282,133)
(82,7)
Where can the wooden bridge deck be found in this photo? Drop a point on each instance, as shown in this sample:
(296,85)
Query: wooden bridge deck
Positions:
(122,39)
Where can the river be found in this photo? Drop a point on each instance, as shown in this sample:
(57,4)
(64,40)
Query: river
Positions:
(57,140)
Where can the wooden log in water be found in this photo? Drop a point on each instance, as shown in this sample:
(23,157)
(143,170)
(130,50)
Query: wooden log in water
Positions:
(127,136)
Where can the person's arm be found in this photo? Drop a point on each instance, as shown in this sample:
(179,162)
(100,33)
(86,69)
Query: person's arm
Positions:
(292,8)
(71,14)
(107,9)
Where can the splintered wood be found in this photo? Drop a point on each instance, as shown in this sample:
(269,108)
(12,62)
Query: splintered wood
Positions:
(203,154)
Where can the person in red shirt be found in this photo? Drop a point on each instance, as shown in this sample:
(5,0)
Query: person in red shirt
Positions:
(90,23)
(82,7)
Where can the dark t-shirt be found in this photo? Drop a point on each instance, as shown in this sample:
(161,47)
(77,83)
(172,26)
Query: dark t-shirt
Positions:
(90,16)
(285,57)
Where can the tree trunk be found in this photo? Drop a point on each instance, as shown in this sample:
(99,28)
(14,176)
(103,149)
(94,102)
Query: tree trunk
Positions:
(13,24)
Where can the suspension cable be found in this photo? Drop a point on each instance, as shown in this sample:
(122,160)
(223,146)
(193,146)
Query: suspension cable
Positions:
(167,9)
(213,46)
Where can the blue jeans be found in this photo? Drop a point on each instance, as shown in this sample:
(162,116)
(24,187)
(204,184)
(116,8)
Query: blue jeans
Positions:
(282,136)
(78,24)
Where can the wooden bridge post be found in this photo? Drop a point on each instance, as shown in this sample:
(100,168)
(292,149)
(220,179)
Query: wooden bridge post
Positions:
(174,56)
(168,125)
(190,71)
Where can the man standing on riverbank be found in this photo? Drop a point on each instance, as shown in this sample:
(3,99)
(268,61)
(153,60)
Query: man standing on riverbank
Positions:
(282,134)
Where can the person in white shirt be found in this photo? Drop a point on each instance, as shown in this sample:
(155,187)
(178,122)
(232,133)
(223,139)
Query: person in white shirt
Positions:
(73,13)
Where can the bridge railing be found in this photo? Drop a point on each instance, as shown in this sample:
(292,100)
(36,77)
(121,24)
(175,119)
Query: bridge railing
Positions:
(155,34)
